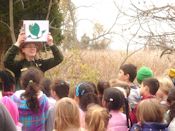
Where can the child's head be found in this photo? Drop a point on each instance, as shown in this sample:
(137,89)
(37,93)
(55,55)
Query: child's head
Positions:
(171,101)
(127,72)
(7,80)
(93,85)
(149,86)
(113,99)
(143,73)
(60,89)
(32,74)
(85,95)
(101,86)
(67,114)
(153,114)
(45,86)
(124,86)
(165,85)
(30,80)
(171,74)
(96,118)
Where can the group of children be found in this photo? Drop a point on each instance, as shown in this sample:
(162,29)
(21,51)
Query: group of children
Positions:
(136,100)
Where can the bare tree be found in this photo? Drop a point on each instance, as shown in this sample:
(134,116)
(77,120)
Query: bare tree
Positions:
(70,28)
(155,24)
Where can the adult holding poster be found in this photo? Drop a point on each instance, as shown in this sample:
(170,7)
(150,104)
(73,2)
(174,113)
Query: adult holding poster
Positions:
(29,49)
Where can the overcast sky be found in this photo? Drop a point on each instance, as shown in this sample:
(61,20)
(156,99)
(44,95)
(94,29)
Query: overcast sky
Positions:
(105,12)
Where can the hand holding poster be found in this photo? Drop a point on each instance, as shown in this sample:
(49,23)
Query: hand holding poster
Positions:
(36,30)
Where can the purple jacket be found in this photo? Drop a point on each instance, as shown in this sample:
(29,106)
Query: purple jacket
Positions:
(150,126)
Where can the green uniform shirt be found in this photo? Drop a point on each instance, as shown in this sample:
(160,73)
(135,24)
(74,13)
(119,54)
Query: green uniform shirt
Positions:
(17,66)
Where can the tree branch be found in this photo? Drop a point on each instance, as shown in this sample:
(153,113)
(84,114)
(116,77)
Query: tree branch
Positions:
(49,9)
(5,24)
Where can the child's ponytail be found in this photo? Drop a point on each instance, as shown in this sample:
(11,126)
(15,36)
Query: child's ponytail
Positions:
(31,95)
(30,81)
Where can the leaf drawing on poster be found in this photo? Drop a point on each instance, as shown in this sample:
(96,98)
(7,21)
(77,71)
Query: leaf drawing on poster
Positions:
(35,30)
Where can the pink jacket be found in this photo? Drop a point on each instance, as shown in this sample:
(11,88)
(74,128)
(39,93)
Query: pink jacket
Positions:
(117,122)
(12,108)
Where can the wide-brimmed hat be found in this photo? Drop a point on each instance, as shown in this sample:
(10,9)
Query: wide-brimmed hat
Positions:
(39,45)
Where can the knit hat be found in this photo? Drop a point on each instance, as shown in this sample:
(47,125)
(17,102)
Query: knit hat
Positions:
(171,73)
(142,73)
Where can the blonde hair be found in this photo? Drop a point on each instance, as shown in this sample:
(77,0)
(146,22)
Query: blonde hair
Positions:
(165,84)
(67,114)
(153,114)
(96,118)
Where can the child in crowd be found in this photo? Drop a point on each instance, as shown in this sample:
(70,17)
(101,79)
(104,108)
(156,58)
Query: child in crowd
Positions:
(149,119)
(121,85)
(148,90)
(67,115)
(59,89)
(165,85)
(6,122)
(143,73)
(149,87)
(93,85)
(113,100)
(7,80)
(13,110)
(85,95)
(101,86)
(171,74)
(171,101)
(128,74)
(125,89)
(8,88)
(32,103)
(96,118)
(45,86)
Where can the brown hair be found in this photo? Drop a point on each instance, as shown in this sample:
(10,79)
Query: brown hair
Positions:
(67,114)
(96,118)
(152,84)
(45,85)
(153,114)
(171,101)
(61,88)
(129,69)
(29,81)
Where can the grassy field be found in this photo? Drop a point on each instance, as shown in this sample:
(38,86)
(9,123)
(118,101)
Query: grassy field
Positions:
(104,65)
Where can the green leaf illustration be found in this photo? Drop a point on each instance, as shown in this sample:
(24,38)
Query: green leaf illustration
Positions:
(34,29)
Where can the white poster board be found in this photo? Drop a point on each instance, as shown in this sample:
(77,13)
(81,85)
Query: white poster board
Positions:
(36,30)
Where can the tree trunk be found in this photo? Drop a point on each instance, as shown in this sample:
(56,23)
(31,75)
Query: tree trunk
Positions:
(12,32)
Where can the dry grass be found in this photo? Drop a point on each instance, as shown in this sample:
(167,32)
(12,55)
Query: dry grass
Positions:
(95,65)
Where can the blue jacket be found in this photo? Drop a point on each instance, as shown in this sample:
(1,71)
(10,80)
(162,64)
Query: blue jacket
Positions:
(150,126)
